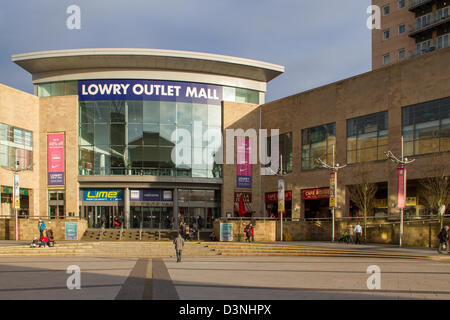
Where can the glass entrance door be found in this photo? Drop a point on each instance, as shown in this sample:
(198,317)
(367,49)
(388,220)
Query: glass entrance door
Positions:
(102,216)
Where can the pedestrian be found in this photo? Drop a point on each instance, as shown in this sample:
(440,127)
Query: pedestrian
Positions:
(350,234)
(41,227)
(358,232)
(179,243)
(44,241)
(443,239)
(247,233)
(212,236)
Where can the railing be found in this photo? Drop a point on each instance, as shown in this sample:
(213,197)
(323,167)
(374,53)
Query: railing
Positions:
(413,4)
(379,218)
(433,21)
(418,52)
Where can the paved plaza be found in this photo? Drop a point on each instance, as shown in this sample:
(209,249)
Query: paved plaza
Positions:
(223,278)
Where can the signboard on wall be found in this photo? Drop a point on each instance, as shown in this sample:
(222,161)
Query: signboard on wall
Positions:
(243,166)
(226,232)
(318,193)
(95,90)
(102,195)
(55,152)
(71,229)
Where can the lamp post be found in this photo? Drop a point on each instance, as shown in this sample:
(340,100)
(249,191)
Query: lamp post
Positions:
(401,163)
(334,170)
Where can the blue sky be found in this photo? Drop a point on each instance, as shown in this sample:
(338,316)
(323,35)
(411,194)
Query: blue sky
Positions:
(318,42)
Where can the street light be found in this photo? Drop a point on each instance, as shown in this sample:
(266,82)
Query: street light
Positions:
(334,169)
(401,163)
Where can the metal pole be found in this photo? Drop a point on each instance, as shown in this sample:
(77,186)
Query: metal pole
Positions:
(281,213)
(335,196)
(401,209)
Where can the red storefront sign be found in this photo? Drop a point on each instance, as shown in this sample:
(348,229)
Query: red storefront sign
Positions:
(318,193)
(273,196)
(246,197)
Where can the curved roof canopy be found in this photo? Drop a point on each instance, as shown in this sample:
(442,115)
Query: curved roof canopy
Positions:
(146,59)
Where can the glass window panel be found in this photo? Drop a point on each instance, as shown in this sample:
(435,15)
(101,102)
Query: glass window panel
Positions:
(117,111)
(86,134)
(86,112)
(102,112)
(151,134)
(426,146)
(71,88)
(367,154)
(18,136)
(150,157)
(229,94)
(101,134)
(135,111)
(52,195)
(200,113)
(57,88)
(3,156)
(151,111)
(45,90)
(165,133)
(214,116)
(87,159)
(184,113)
(167,112)
(165,157)
(135,134)
(101,160)
(117,134)
(118,156)
(351,156)
(134,157)
(409,148)
(28,138)
(367,140)
(427,130)
(197,173)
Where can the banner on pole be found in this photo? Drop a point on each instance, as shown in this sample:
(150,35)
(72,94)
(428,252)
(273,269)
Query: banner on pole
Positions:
(333,190)
(281,194)
(401,188)
(16,191)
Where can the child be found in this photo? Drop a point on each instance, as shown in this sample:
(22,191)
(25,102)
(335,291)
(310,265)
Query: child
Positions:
(44,241)
(34,243)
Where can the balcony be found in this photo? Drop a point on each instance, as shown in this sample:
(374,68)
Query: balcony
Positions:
(416,4)
(433,22)
(418,52)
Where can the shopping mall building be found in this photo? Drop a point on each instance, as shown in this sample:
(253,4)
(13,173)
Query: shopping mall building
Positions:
(99,138)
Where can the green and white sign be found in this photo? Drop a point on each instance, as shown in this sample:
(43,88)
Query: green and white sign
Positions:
(71,231)
(226,232)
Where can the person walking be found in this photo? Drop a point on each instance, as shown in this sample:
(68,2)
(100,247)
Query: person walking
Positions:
(350,234)
(247,233)
(252,232)
(41,227)
(179,243)
(358,233)
(443,240)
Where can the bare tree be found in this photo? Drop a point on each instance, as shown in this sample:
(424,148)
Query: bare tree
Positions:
(363,195)
(435,189)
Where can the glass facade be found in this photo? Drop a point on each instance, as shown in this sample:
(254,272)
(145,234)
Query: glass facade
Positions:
(285,143)
(426,127)
(138,138)
(318,142)
(367,137)
(16,147)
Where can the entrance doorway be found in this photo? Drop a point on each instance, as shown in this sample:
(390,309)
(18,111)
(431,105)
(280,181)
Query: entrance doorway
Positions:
(102,215)
(191,216)
(151,217)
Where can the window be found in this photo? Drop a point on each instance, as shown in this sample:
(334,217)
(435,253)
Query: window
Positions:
(386,59)
(386,10)
(424,47)
(401,54)
(16,148)
(401,29)
(426,127)
(443,41)
(423,21)
(317,143)
(386,34)
(443,13)
(56,204)
(61,88)
(367,137)
(285,150)
(401,4)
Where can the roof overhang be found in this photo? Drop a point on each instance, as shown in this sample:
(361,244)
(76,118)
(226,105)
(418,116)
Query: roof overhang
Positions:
(75,60)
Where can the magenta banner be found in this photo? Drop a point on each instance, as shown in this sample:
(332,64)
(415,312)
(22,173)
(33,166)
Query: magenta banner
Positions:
(243,166)
(55,152)
(401,188)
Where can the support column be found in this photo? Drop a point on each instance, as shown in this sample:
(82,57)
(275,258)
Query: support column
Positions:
(175,208)
(126,207)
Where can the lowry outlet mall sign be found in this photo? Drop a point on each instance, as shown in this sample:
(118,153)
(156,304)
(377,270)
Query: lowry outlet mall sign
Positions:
(94,90)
